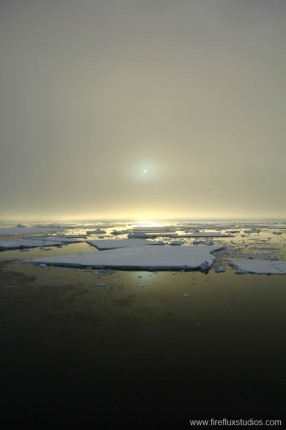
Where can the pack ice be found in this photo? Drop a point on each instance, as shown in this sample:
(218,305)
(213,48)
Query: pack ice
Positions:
(17,231)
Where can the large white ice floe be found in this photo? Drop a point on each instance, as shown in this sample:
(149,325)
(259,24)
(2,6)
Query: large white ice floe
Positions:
(140,258)
(36,242)
(260,267)
(103,244)
(17,231)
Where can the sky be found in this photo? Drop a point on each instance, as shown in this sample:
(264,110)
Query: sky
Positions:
(142,109)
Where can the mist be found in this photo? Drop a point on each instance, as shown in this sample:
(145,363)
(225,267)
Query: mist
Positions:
(94,93)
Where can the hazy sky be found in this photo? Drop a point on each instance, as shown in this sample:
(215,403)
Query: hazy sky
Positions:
(94,92)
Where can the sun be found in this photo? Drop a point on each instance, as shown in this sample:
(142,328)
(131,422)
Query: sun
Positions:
(144,171)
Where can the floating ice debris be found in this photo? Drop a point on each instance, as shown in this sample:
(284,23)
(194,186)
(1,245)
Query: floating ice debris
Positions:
(203,242)
(219,270)
(140,258)
(105,244)
(186,295)
(75,236)
(43,265)
(252,230)
(101,285)
(241,272)
(205,266)
(139,235)
(251,256)
(260,267)
(175,243)
(119,232)
(205,234)
(141,286)
(182,236)
(97,231)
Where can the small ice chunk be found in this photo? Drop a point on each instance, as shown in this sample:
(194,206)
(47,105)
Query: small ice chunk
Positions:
(175,243)
(137,235)
(219,270)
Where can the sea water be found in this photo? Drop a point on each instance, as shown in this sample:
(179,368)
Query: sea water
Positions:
(142,348)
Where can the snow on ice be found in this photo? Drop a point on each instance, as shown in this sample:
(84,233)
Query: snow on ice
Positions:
(260,267)
(140,258)
(120,243)
(36,242)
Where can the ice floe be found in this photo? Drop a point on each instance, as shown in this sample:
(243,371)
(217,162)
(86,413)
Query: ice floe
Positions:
(103,244)
(140,257)
(36,242)
(17,231)
(260,267)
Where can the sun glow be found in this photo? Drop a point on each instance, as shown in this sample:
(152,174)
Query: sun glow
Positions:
(145,171)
